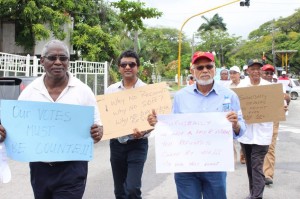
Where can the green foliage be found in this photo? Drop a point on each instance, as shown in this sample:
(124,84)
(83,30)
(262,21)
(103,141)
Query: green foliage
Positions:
(215,23)
(284,32)
(220,42)
(94,43)
(132,13)
(32,16)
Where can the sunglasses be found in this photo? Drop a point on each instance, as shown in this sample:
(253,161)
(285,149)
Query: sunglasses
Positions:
(131,64)
(269,73)
(208,67)
(54,58)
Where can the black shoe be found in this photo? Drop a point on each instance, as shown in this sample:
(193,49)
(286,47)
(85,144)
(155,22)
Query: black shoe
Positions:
(268,181)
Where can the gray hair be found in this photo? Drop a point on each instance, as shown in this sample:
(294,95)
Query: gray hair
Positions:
(227,71)
(53,42)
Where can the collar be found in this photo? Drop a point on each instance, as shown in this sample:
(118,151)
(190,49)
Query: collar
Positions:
(137,84)
(215,88)
(40,85)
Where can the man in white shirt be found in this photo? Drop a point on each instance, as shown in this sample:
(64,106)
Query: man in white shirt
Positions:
(235,77)
(66,179)
(269,162)
(257,138)
(128,154)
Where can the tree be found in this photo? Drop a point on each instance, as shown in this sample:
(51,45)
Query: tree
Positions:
(216,22)
(160,47)
(132,13)
(283,33)
(220,42)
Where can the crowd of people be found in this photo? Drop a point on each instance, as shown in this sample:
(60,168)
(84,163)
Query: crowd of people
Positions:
(67,179)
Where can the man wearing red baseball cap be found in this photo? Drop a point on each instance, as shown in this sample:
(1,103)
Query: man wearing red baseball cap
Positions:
(268,72)
(269,161)
(205,95)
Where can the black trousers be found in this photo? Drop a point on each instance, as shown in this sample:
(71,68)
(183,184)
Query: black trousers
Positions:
(255,155)
(58,180)
(127,163)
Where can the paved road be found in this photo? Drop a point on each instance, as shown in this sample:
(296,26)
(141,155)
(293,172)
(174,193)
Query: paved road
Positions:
(161,186)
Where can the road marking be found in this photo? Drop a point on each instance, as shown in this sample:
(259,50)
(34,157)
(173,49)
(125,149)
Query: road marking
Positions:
(289,129)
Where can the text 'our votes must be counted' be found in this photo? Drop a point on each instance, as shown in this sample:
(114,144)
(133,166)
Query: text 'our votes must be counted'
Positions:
(40,131)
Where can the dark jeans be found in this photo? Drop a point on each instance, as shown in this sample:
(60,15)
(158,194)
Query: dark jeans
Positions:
(60,180)
(194,185)
(255,155)
(127,163)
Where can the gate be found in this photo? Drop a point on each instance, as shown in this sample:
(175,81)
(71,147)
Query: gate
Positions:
(94,74)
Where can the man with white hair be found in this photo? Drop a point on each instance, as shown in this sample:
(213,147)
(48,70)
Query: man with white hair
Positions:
(205,95)
(60,179)
(235,77)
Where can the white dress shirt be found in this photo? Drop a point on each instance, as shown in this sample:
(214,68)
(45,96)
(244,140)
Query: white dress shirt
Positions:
(76,92)
(257,133)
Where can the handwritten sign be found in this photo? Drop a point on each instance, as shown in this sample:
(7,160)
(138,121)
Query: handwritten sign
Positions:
(40,131)
(261,103)
(121,112)
(193,143)
(5,174)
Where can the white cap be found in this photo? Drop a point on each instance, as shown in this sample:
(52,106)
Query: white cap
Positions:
(283,72)
(235,68)
(245,67)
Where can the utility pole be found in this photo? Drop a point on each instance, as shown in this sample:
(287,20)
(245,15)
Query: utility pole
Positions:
(136,38)
(273,44)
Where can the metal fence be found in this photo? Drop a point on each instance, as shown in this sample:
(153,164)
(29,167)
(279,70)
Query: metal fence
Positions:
(94,74)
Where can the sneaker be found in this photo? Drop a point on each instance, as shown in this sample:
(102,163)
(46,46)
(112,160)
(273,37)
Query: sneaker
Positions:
(268,181)
(242,159)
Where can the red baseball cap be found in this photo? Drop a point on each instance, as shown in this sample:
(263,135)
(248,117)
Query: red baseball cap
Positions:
(198,55)
(268,67)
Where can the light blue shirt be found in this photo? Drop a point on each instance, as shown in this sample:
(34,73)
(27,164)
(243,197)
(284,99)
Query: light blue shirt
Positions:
(191,100)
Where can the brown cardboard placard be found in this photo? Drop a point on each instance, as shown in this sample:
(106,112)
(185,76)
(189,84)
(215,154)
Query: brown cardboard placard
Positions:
(261,103)
(123,111)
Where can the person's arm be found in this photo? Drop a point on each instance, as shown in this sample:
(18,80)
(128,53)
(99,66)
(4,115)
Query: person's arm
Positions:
(238,123)
(2,134)
(96,132)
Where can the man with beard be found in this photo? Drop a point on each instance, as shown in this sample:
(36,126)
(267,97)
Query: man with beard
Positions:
(205,95)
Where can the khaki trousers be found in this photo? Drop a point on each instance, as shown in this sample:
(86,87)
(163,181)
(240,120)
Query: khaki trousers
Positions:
(269,162)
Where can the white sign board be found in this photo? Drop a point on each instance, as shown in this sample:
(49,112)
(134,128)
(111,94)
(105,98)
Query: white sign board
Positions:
(193,142)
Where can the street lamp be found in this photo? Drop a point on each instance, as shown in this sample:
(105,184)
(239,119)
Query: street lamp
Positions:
(180,31)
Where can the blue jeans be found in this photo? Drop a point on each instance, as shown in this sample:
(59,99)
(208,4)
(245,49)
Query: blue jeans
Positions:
(195,185)
(127,163)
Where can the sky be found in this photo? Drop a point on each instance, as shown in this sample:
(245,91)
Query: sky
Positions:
(240,21)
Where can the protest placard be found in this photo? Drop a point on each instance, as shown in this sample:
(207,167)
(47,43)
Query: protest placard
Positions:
(262,103)
(40,131)
(122,111)
(193,142)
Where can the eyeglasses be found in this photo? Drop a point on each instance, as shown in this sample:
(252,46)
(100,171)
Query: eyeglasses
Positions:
(54,58)
(131,64)
(268,73)
(208,67)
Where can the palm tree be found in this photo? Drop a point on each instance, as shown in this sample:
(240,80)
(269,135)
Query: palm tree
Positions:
(216,22)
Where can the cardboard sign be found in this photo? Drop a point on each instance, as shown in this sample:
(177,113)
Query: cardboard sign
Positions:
(41,131)
(262,103)
(193,142)
(121,112)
